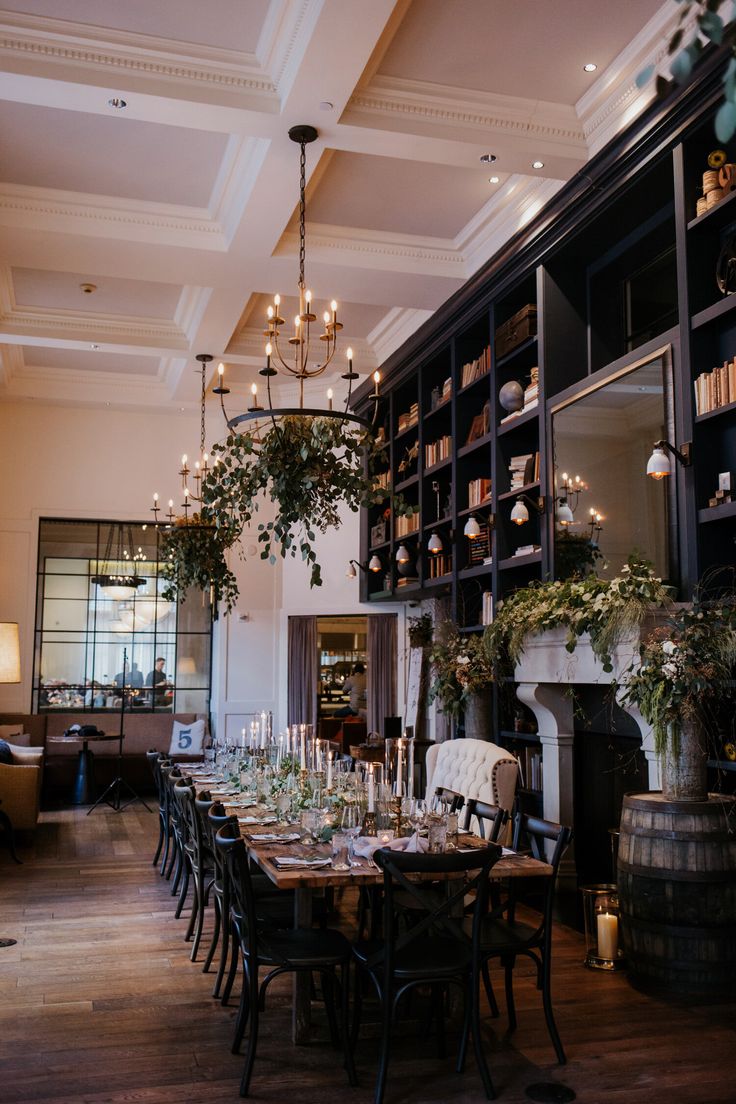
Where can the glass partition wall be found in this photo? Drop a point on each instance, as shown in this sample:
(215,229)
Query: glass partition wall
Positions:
(86,621)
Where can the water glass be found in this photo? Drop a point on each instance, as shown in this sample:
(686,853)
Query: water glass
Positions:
(341,849)
(311,825)
(452,831)
(283,806)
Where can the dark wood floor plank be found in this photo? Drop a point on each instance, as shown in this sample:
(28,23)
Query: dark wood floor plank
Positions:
(99,1004)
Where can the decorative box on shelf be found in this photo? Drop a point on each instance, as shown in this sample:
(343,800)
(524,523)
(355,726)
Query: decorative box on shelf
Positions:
(519,327)
(379,532)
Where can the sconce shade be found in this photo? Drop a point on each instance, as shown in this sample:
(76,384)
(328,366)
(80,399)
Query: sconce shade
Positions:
(565,515)
(435,543)
(402,554)
(519,512)
(472,528)
(9,652)
(374,564)
(659,465)
(350,573)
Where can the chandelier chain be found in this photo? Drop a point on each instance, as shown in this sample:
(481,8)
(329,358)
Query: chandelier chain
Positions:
(302,208)
(202,400)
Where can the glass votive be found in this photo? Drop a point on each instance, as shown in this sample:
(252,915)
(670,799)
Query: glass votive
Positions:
(602,932)
(436,834)
(341,851)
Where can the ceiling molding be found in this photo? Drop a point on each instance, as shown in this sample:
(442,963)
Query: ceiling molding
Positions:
(190,309)
(69,329)
(284,38)
(614,100)
(482,111)
(394,329)
(88,388)
(100,48)
(376,249)
(11,363)
(238,175)
(47,209)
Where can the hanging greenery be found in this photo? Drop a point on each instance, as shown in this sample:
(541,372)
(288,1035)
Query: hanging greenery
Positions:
(700,25)
(194,555)
(309,467)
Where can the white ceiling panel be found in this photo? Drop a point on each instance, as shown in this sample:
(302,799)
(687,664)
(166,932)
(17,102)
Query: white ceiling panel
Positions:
(230,24)
(105,155)
(530,48)
(62,291)
(75,360)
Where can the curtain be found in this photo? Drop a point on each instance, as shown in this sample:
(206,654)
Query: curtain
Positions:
(382,665)
(303,673)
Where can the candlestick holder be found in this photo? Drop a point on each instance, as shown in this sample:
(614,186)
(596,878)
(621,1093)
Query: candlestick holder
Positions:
(369,825)
(396,814)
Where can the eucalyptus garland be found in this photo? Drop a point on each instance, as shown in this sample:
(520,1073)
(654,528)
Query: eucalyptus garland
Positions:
(194,555)
(309,467)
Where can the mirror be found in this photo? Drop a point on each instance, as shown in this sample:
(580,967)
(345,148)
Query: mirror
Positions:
(605,505)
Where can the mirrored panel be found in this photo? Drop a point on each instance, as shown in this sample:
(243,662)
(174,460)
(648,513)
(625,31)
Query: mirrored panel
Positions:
(606,507)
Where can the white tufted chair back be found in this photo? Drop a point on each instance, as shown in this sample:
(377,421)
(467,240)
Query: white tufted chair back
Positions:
(474,768)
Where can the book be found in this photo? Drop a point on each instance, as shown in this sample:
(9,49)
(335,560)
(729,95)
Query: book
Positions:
(474,369)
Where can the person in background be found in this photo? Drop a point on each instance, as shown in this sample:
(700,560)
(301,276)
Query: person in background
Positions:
(355,687)
(157,679)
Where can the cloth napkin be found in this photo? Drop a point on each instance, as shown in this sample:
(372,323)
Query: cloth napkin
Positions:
(287,862)
(256,820)
(366,845)
(274,837)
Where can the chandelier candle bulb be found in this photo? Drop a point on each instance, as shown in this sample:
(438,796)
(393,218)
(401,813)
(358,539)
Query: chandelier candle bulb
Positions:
(329,398)
(376,381)
(349,355)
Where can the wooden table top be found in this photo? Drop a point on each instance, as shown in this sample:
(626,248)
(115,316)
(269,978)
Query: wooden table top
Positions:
(83,739)
(364,873)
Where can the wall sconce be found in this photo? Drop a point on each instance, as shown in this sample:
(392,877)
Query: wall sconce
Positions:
(472,528)
(659,464)
(520,513)
(402,554)
(565,515)
(374,564)
(435,544)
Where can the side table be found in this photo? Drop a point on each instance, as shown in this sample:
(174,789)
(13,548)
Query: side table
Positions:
(85,788)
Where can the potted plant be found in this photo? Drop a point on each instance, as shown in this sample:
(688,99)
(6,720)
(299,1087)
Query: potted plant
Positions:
(193,552)
(679,671)
(308,466)
(462,679)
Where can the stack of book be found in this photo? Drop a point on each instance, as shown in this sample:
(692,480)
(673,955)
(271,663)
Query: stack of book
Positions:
(439,565)
(532,768)
(479,492)
(487,608)
(523,470)
(437,451)
(406,421)
(531,398)
(383,480)
(404,525)
(474,369)
(527,549)
(715,388)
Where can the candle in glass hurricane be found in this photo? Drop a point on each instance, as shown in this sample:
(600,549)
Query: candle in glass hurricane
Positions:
(607,932)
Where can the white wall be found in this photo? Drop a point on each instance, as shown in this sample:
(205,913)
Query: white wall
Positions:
(100,463)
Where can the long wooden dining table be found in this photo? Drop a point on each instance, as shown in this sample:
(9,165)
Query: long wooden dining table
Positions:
(305,880)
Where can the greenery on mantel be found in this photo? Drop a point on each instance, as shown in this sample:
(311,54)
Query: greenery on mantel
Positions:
(460,667)
(607,609)
(681,668)
(700,24)
(193,552)
(309,467)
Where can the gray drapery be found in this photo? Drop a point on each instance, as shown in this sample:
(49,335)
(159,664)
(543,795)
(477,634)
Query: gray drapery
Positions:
(382,664)
(303,673)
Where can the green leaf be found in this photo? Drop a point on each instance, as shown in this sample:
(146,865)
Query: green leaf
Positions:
(712,26)
(645,76)
(681,66)
(725,122)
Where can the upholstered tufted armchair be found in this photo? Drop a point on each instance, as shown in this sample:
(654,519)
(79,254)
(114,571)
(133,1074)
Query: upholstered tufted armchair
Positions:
(473,768)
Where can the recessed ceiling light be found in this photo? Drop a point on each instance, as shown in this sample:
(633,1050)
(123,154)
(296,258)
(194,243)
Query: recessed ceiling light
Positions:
(537,164)
(325,105)
(488,158)
(493,180)
(590,67)
(117,102)
(88,288)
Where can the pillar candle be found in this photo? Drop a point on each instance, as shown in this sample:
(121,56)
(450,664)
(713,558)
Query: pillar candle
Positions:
(410,779)
(607,930)
(281,749)
(371,790)
(263,730)
(303,749)
(330,756)
(399,762)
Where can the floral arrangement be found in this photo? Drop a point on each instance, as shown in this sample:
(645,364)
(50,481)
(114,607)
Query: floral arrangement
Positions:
(309,467)
(607,609)
(193,554)
(460,667)
(421,631)
(680,669)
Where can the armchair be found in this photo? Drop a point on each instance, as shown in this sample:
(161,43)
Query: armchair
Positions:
(20,786)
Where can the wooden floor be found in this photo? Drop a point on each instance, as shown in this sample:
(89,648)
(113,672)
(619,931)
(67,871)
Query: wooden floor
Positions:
(100,1003)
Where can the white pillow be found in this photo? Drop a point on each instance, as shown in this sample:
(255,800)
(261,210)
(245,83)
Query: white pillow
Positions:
(187,739)
(7,732)
(21,739)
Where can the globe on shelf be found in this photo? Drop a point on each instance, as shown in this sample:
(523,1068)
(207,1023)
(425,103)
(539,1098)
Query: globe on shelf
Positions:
(511,396)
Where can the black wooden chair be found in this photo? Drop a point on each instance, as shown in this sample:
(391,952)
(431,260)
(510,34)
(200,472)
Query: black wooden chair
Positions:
(198,859)
(313,950)
(490,819)
(453,800)
(434,950)
(155,761)
(505,938)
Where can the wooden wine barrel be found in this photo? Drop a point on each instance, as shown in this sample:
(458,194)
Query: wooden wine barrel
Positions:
(677,892)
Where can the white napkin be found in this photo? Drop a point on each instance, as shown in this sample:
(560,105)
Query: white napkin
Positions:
(274,837)
(366,845)
(256,820)
(287,861)
(507,851)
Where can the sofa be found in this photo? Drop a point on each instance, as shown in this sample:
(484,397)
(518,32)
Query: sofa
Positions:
(20,786)
(473,768)
(143,732)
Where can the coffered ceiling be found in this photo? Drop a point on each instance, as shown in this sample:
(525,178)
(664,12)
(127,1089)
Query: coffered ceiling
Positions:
(180,206)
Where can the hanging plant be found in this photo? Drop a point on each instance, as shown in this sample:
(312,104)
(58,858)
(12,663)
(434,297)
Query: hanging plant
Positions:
(193,554)
(309,467)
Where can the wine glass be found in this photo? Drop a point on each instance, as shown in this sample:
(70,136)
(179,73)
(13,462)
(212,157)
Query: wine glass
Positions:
(351,823)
